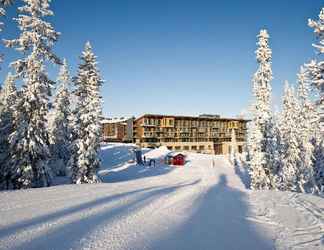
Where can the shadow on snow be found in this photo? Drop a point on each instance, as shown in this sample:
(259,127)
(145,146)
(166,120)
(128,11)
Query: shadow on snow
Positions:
(243,173)
(218,223)
(68,236)
(134,171)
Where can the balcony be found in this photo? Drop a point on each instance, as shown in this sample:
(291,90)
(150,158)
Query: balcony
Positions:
(168,135)
(149,125)
(149,135)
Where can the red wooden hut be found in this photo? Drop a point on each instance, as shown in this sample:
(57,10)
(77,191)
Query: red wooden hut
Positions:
(177,159)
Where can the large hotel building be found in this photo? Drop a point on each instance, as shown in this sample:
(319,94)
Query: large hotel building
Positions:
(205,133)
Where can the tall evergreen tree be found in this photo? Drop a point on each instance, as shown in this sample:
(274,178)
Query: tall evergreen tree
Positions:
(262,138)
(289,142)
(8,100)
(29,142)
(316,67)
(60,130)
(318,27)
(306,122)
(315,70)
(84,161)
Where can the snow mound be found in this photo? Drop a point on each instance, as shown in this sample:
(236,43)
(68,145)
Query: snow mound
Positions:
(157,153)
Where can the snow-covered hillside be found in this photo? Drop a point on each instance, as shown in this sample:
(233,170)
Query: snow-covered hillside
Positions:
(203,205)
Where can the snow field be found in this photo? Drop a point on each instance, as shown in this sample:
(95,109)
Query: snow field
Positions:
(199,206)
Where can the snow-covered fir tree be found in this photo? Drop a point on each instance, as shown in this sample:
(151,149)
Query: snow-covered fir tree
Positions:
(84,161)
(315,71)
(318,27)
(8,100)
(306,122)
(60,130)
(262,138)
(29,142)
(316,67)
(289,142)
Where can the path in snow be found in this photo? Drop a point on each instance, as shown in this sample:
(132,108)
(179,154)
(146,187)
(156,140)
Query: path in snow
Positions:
(193,207)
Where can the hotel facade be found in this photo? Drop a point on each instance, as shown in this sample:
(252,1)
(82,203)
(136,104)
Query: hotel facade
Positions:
(209,134)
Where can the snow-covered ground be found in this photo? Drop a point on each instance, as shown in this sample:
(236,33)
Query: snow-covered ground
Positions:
(204,205)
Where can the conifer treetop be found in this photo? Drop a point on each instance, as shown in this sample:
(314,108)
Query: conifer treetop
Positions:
(263,76)
(318,27)
(37,36)
(64,75)
(88,73)
(303,84)
(263,53)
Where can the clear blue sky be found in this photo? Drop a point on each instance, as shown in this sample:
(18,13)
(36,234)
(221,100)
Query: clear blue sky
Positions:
(181,56)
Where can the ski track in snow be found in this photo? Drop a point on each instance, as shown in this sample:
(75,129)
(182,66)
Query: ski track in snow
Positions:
(139,207)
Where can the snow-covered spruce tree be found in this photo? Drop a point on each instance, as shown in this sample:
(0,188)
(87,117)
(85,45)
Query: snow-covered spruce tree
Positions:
(29,142)
(263,164)
(318,147)
(316,74)
(8,100)
(60,131)
(318,27)
(306,123)
(316,67)
(289,142)
(84,161)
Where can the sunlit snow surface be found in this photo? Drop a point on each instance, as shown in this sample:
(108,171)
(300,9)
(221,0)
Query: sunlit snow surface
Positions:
(203,205)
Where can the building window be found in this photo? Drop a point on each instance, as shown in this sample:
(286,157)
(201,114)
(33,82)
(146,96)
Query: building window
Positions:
(186,148)
(201,147)
(193,147)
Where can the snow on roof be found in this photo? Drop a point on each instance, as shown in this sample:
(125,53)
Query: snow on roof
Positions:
(172,154)
(115,120)
(160,152)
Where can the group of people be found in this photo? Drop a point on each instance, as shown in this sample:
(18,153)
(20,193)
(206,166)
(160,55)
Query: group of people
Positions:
(150,162)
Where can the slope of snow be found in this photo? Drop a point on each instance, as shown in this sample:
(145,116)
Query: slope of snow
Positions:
(203,205)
